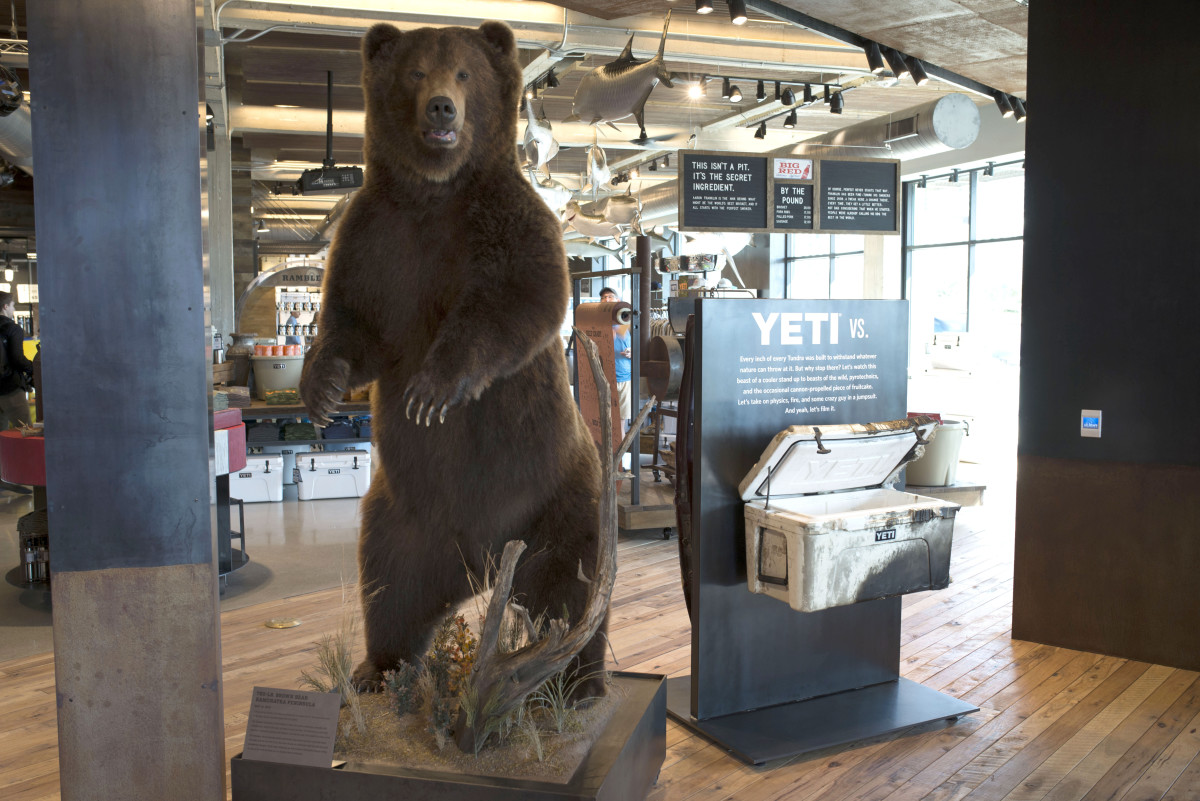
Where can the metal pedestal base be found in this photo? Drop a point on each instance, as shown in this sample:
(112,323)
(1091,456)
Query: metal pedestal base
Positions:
(762,735)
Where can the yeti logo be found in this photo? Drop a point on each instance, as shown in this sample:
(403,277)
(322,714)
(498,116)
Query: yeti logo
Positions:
(334,470)
(885,535)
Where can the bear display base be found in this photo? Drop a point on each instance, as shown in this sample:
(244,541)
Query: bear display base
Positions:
(622,765)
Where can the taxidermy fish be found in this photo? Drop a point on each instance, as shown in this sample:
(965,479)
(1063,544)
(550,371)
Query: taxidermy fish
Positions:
(540,144)
(624,210)
(620,88)
(579,248)
(554,194)
(593,225)
(598,172)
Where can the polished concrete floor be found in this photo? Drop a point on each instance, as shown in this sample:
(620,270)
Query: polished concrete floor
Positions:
(294,546)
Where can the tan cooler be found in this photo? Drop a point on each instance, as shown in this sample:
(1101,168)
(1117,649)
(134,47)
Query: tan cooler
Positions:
(336,474)
(260,480)
(276,372)
(823,531)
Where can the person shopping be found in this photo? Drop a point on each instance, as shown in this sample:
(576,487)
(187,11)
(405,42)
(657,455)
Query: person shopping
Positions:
(623,347)
(16,378)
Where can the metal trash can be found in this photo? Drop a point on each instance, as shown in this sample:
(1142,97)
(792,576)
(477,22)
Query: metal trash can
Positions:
(939,465)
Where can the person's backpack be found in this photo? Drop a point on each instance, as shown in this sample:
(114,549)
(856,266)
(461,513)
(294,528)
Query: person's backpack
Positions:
(23,379)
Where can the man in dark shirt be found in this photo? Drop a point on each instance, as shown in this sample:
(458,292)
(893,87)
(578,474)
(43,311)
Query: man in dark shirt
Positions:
(14,404)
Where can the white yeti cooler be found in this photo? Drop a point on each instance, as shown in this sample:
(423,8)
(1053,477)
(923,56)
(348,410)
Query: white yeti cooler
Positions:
(334,474)
(289,452)
(260,480)
(821,531)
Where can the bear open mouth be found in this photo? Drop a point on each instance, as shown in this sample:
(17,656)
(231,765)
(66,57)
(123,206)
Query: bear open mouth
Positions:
(441,138)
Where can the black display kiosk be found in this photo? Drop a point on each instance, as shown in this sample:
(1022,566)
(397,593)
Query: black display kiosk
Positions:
(768,682)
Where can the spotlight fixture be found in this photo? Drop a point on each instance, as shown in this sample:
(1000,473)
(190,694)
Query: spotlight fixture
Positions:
(1002,103)
(761,92)
(653,166)
(633,173)
(208,112)
(703,6)
(954,176)
(551,80)
(530,93)
(790,120)
(697,90)
(737,12)
(1019,110)
(826,98)
(808,95)
(836,103)
(917,69)
(725,89)
(666,162)
(735,95)
(262,228)
(777,95)
(896,62)
(990,169)
(761,133)
(789,97)
(874,58)
(922,183)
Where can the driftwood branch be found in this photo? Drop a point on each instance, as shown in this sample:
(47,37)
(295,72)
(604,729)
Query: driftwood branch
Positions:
(500,681)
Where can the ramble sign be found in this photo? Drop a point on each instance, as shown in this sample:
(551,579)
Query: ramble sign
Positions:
(756,193)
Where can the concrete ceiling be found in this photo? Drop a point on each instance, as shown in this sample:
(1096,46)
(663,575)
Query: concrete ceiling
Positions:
(267,62)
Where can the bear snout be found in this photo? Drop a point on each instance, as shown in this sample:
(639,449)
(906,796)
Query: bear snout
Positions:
(442,116)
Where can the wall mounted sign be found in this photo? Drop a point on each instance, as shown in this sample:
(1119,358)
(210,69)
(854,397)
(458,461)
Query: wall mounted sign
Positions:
(757,193)
(722,191)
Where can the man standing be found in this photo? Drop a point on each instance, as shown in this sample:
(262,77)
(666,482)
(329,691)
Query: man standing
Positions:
(623,347)
(18,370)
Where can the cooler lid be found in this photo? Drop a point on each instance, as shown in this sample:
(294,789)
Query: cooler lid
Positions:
(855,455)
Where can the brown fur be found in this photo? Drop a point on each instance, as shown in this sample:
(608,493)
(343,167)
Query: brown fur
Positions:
(446,286)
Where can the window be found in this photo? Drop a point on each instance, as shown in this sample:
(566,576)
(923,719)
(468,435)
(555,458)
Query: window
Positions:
(821,266)
(963,258)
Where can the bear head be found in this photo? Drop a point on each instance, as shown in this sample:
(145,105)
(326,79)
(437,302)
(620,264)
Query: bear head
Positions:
(439,99)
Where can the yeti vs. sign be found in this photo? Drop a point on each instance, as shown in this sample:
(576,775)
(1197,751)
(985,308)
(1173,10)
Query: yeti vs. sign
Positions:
(814,328)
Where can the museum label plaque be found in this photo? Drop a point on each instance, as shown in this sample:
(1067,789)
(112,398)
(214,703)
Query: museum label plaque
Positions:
(292,726)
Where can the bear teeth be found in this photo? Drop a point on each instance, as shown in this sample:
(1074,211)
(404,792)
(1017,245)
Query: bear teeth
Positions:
(446,137)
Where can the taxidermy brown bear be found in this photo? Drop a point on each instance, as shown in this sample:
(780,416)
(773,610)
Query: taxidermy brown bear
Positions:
(445,289)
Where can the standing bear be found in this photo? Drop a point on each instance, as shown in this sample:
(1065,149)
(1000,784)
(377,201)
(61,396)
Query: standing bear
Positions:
(445,289)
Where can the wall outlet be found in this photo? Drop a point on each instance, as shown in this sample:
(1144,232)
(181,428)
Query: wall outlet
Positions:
(1089,423)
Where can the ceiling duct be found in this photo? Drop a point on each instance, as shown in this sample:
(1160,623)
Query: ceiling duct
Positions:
(16,131)
(949,123)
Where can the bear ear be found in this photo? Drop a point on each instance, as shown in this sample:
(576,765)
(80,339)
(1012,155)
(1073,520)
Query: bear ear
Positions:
(379,36)
(499,36)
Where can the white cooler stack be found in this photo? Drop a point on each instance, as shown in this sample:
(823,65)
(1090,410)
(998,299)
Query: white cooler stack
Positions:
(333,474)
(260,480)
(821,531)
(289,453)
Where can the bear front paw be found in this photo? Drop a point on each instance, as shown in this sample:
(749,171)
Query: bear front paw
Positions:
(427,396)
(367,678)
(321,387)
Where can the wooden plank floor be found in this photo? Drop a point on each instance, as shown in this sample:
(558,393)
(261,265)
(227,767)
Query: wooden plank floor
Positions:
(1054,724)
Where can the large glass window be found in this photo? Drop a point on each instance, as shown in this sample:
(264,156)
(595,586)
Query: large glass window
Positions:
(821,266)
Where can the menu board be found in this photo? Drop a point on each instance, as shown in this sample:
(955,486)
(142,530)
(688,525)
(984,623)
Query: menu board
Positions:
(793,207)
(858,196)
(755,193)
(722,191)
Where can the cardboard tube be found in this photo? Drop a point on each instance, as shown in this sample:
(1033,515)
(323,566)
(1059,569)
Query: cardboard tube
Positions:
(596,320)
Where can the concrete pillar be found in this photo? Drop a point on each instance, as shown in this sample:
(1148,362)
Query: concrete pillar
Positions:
(118,137)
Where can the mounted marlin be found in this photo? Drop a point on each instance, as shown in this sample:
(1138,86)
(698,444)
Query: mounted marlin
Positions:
(620,88)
